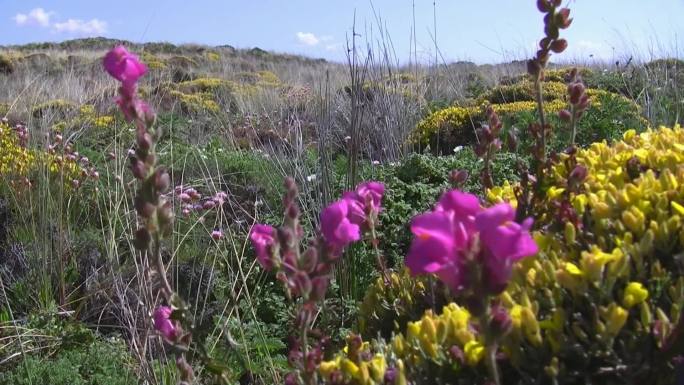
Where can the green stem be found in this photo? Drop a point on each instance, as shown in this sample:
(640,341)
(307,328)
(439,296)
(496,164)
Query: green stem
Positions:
(491,362)
(573,123)
(542,119)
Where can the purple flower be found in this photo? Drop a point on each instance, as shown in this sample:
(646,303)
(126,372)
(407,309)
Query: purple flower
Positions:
(336,226)
(124,66)
(263,240)
(163,323)
(445,239)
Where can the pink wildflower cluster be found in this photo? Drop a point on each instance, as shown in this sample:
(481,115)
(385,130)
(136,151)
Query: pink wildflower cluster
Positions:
(306,273)
(342,223)
(192,200)
(468,246)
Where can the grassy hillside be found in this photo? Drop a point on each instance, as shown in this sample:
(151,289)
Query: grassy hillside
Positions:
(76,296)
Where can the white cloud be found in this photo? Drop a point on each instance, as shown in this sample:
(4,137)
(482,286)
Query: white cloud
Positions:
(36,16)
(333,47)
(40,17)
(308,38)
(80,27)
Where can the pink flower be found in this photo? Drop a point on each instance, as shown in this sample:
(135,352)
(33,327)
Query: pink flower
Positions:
(263,240)
(444,241)
(365,199)
(124,66)
(163,323)
(336,226)
(505,242)
(216,235)
(371,192)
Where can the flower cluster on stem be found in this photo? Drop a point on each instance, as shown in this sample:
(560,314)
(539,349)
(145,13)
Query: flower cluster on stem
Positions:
(578,100)
(154,210)
(306,271)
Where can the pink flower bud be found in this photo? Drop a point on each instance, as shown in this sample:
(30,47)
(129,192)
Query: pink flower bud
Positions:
(216,235)
(563,19)
(559,45)
(163,322)
(208,205)
(564,115)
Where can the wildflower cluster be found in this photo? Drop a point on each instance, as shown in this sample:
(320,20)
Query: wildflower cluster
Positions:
(306,273)
(154,210)
(192,201)
(19,162)
(604,280)
(488,144)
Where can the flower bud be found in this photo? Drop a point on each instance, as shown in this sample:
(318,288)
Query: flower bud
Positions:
(144,208)
(162,180)
(139,169)
(559,45)
(575,90)
(543,6)
(142,239)
(564,115)
(309,260)
(458,177)
(563,19)
(512,140)
(533,67)
(144,140)
(319,286)
(500,322)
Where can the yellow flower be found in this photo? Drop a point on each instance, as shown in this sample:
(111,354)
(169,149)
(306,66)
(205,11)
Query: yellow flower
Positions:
(474,352)
(616,319)
(327,367)
(635,293)
(378,366)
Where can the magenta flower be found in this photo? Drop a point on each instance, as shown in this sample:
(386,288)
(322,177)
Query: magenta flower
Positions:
(163,322)
(336,226)
(263,240)
(216,235)
(365,199)
(505,242)
(371,192)
(446,239)
(124,66)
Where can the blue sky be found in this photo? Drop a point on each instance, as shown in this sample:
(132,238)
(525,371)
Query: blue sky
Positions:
(466,29)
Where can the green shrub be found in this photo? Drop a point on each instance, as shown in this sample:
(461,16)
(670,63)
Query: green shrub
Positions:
(103,362)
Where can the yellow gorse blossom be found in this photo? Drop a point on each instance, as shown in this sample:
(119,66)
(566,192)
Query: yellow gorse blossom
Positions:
(635,293)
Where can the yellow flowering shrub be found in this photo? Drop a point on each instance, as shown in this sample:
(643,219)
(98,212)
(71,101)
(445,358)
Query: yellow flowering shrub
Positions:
(58,107)
(609,113)
(604,290)
(15,160)
(19,163)
(152,61)
(523,91)
(212,56)
(460,122)
(196,102)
